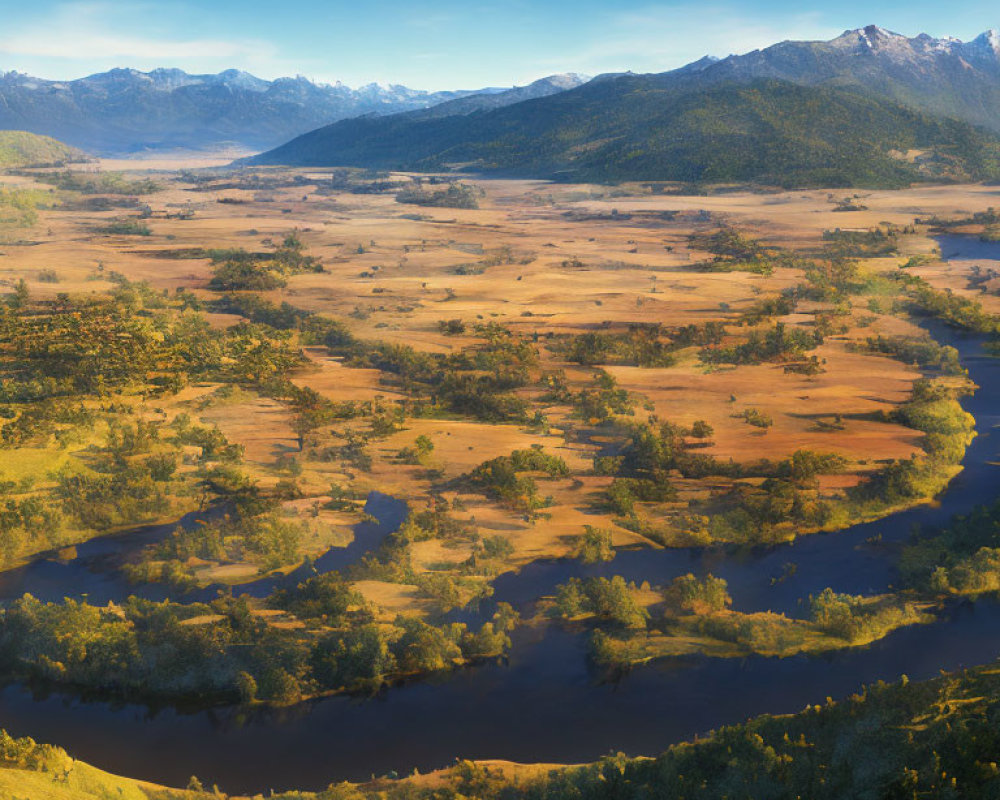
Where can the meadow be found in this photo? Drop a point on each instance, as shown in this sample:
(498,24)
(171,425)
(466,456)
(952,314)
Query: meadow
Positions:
(539,371)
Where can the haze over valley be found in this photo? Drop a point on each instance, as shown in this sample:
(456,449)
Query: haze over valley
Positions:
(127,111)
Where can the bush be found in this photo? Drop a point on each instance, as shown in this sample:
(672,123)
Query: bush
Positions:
(756,417)
(457,195)
(126,227)
(500,477)
(705,596)
(595,545)
(779,344)
(608,600)
(858,618)
(233,276)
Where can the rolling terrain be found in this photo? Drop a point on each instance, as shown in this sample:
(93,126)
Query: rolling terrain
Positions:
(23,149)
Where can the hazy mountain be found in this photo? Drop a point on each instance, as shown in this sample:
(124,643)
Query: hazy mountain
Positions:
(125,110)
(648,127)
(485,101)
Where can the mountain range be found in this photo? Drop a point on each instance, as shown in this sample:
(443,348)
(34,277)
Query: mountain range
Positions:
(636,128)
(717,119)
(869,107)
(941,75)
(126,111)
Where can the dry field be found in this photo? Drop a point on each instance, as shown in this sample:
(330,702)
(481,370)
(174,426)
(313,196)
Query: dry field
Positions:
(582,258)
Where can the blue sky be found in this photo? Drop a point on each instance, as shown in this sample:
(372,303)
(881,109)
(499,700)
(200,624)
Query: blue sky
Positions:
(441,44)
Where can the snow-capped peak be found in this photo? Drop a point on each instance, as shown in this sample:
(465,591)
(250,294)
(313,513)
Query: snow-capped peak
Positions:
(242,79)
(987,42)
(563,80)
(877,32)
(876,40)
(871,37)
(874,37)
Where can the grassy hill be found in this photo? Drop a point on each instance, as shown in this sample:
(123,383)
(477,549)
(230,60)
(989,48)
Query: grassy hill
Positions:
(648,127)
(936,738)
(23,149)
(83,783)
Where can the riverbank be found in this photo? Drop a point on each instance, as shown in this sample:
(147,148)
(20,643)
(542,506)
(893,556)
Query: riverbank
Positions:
(481,713)
(930,735)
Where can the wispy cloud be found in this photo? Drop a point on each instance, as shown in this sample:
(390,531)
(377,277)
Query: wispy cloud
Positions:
(112,34)
(425,43)
(662,37)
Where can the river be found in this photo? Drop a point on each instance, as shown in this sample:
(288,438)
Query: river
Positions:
(543,703)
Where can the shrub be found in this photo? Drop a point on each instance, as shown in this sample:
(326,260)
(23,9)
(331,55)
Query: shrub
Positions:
(698,596)
(594,545)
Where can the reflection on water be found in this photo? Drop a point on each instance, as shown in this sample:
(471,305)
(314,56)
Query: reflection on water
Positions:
(93,572)
(955,247)
(544,706)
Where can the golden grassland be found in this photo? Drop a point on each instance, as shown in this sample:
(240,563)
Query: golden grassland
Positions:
(81,781)
(578,259)
(582,258)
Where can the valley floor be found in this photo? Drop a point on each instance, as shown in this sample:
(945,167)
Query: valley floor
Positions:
(547,375)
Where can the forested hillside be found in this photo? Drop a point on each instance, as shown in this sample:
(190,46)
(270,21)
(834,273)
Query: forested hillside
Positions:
(645,128)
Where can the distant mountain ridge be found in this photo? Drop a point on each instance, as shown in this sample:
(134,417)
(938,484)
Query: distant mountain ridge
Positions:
(125,110)
(942,75)
(718,119)
(544,87)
